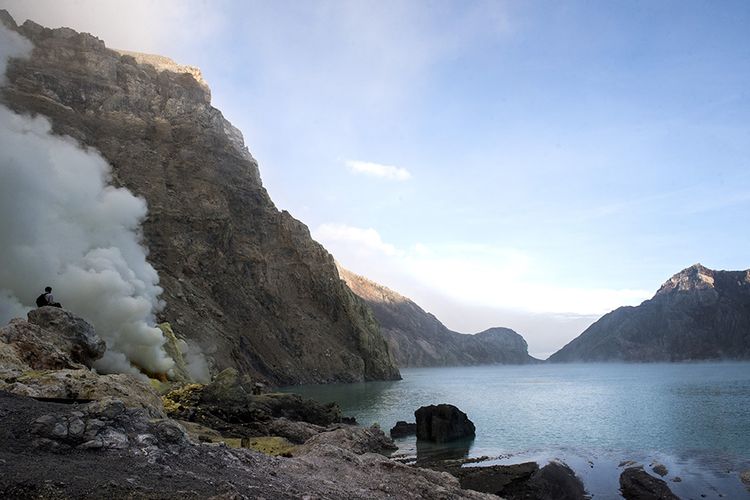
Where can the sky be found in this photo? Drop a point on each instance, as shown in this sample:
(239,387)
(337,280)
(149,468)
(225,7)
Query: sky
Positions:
(532,165)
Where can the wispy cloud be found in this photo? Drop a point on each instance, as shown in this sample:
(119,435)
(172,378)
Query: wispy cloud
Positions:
(358,239)
(379,170)
(471,274)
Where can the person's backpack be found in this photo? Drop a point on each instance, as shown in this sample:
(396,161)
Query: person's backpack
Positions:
(41,301)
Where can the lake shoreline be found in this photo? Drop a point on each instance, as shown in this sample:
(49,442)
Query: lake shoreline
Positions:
(692,417)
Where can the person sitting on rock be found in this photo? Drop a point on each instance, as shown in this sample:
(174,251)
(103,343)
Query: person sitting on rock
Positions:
(47,299)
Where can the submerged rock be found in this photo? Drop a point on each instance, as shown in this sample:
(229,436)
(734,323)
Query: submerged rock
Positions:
(745,478)
(637,484)
(660,469)
(494,479)
(554,481)
(442,423)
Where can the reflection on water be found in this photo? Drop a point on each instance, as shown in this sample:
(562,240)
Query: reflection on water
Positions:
(454,450)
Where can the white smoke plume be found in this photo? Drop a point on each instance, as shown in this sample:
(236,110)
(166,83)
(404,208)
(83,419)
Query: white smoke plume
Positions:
(62,225)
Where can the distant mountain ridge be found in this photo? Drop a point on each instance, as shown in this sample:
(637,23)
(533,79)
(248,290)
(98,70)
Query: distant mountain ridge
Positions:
(698,314)
(417,338)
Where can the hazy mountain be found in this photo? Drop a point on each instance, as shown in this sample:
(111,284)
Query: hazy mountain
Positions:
(241,279)
(417,338)
(698,314)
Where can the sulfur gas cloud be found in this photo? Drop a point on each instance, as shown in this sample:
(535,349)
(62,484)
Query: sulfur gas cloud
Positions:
(64,226)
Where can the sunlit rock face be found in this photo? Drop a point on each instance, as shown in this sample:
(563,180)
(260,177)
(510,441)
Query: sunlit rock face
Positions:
(417,338)
(698,314)
(241,279)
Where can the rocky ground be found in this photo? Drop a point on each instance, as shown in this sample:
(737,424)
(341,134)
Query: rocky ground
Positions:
(68,432)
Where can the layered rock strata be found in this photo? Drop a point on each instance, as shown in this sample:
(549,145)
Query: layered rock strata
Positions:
(243,280)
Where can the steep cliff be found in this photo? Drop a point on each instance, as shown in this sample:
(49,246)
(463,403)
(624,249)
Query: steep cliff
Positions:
(417,338)
(697,314)
(243,280)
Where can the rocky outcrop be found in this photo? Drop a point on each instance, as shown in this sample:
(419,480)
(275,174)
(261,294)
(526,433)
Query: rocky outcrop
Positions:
(43,455)
(47,357)
(241,279)
(107,424)
(417,338)
(698,314)
(229,406)
(72,334)
(637,484)
(554,481)
(358,440)
(442,423)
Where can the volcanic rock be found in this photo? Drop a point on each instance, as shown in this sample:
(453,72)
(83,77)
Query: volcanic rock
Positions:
(698,314)
(442,423)
(72,334)
(242,280)
(403,429)
(637,484)
(356,439)
(228,405)
(140,458)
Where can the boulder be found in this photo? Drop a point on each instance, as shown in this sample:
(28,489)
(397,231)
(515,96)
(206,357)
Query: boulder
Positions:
(494,479)
(295,432)
(660,469)
(28,346)
(637,484)
(357,440)
(745,478)
(74,335)
(554,481)
(403,429)
(442,423)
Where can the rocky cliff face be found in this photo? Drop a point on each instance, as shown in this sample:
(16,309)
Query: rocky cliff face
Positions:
(697,314)
(244,281)
(417,338)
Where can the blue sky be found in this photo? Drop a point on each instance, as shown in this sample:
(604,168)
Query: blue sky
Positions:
(522,164)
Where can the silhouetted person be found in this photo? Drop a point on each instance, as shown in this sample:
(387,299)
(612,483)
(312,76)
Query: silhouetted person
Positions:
(47,299)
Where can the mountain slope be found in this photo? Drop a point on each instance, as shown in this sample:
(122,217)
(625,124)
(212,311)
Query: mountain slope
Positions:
(241,279)
(697,314)
(417,338)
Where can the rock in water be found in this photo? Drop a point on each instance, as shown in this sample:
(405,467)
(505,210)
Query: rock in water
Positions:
(554,481)
(74,334)
(443,423)
(241,279)
(403,429)
(637,484)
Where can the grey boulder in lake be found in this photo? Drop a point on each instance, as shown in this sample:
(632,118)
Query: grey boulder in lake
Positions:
(443,423)
(698,314)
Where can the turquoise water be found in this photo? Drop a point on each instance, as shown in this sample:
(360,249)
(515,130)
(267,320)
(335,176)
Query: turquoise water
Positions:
(693,417)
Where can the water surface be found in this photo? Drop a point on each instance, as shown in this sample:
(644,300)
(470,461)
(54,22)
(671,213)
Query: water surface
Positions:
(693,417)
